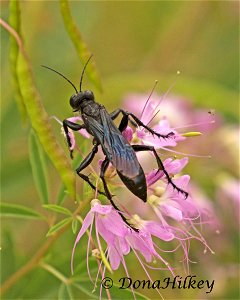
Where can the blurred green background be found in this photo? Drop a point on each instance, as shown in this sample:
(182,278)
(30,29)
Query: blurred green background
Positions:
(133,44)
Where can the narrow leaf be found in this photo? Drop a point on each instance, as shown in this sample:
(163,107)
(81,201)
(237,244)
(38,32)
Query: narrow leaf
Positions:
(38,116)
(38,164)
(58,226)
(74,225)
(70,292)
(15,21)
(58,209)
(61,195)
(81,287)
(54,272)
(42,126)
(62,292)
(15,210)
(65,292)
(81,47)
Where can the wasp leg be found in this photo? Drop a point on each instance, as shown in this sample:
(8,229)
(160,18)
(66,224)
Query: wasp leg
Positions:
(138,148)
(75,127)
(104,167)
(87,160)
(124,121)
(127,114)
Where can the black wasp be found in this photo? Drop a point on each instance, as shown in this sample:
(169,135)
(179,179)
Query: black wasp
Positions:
(118,151)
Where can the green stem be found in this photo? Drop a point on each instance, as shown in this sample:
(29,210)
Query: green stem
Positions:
(34,261)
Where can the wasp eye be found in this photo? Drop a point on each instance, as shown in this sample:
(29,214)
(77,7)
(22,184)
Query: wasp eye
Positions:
(74,101)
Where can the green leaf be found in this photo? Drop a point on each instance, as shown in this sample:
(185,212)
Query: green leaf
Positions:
(70,292)
(54,272)
(61,195)
(81,287)
(15,210)
(15,21)
(65,292)
(58,226)
(38,116)
(74,225)
(58,209)
(9,253)
(38,164)
(81,47)
(42,126)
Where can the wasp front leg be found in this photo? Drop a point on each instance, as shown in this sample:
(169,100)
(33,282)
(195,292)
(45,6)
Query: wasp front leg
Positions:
(86,162)
(75,127)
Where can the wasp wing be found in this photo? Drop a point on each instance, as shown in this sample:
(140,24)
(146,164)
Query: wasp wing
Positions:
(117,149)
(122,155)
(119,152)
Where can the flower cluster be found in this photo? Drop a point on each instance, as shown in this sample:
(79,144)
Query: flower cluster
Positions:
(175,216)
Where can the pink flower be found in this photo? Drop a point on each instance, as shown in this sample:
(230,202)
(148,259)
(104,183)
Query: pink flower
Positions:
(172,166)
(177,217)
(163,128)
(179,111)
(83,132)
(120,239)
(143,136)
(169,203)
(108,224)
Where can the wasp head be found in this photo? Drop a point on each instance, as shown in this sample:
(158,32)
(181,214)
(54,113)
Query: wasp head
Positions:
(77,99)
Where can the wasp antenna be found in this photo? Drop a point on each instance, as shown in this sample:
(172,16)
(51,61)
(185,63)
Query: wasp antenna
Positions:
(61,75)
(84,71)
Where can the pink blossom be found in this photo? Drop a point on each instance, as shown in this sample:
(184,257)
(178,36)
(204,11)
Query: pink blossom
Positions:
(120,239)
(179,111)
(162,127)
(83,132)
(172,166)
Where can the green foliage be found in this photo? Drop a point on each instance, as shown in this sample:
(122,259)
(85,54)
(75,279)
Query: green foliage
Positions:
(58,226)
(58,209)
(74,226)
(18,211)
(65,292)
(134,43)
(38,164)
(15,23)
(41,124)
(81,47)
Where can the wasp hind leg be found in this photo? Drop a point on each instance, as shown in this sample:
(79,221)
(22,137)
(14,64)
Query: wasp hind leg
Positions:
(138,148)
(104,167)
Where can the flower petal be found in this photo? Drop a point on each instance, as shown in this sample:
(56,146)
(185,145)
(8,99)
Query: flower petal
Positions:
(157,230)
(114,258)
(86,223)
(171,211)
